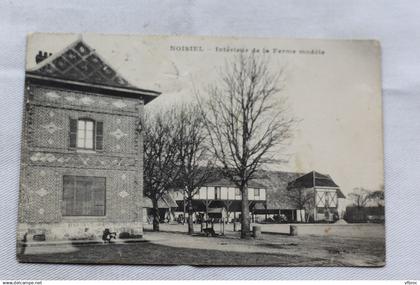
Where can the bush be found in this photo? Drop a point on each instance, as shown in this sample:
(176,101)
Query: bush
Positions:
(124,235)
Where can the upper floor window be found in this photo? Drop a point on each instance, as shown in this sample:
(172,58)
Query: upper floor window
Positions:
(86,134)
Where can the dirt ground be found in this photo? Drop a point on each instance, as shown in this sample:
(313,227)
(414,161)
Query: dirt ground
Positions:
(367,231)
(173,246)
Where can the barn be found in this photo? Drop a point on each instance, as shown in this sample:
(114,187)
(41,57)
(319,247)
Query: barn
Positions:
(273,197)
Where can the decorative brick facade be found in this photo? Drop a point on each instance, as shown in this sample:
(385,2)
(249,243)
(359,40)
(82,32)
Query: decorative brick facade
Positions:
(47,155)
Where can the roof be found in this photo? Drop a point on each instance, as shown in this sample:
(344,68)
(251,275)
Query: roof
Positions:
(81,64)
(215,210)
(315,179)
(167,201)
(276,184)
(216,177)
(225,182)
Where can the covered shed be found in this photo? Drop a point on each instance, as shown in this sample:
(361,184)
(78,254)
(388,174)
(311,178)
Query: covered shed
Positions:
(166,205)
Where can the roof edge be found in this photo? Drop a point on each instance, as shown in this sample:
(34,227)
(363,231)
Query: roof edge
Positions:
(148,95)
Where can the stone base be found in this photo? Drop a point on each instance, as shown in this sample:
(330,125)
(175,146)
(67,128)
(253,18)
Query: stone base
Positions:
(75,231)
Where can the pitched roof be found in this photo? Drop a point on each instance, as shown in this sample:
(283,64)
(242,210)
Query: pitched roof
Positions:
(215,210)
(276,184)
(167,201)
(225,182)
(81,63)
(170,201)
(315,179)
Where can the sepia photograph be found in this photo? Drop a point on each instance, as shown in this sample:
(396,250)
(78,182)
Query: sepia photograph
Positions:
(206,151)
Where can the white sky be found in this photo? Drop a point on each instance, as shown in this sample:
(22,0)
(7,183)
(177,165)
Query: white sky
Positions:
(337,96)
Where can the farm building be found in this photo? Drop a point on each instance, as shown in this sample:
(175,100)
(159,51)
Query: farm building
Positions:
(273,195)
(322,195)
(167,207)
(82,150)
(221,193)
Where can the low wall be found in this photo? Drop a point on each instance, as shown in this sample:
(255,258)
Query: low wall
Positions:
(75,231)
(346,230)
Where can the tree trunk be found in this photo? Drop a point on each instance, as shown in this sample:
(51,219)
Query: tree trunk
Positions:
(190,217)
(245,223)
(155,214)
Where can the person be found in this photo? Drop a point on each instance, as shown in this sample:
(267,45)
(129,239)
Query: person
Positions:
(107,236)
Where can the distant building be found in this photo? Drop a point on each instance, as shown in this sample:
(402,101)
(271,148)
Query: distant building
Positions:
(221,193)
(271,197)
(82,151)
(325,194)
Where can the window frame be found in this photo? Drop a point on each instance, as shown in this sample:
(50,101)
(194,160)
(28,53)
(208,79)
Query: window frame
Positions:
(85,120)
(66,215)
(97,137)
(257,190)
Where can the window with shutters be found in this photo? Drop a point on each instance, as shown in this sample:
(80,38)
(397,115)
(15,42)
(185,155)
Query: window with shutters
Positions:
(83,196)
(86,134)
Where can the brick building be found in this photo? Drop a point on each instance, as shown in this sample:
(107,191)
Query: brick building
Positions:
(82,148)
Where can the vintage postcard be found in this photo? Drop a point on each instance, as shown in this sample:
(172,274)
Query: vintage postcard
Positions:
(211,151)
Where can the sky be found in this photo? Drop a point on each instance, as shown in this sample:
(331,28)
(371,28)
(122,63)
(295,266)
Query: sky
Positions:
(332,87)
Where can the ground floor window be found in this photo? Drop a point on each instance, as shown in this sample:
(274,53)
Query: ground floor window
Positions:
(83,195)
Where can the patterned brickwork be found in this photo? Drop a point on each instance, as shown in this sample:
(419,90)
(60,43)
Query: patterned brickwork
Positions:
(83,100)
(46,157)
(49,120)
(82,160)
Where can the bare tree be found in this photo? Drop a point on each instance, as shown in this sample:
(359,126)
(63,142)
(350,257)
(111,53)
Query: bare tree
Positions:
(360,197)
(303,199)
(245,119)
(378,196)
(160,153)
(193,155)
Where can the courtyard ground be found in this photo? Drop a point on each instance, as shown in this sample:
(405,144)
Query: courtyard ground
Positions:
(172,246)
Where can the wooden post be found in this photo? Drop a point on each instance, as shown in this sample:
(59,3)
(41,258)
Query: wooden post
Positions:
(234,221)
(266,211)
(207,209)
(227,205)
(293,230)
(183,203)
(223,226)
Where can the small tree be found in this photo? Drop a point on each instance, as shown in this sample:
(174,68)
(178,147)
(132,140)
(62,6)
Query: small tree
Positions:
(303,199)
(193,154)
(246,119)
(360,197)
(378,197)
(160,159)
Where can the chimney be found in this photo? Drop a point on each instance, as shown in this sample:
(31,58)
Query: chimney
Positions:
(41,56)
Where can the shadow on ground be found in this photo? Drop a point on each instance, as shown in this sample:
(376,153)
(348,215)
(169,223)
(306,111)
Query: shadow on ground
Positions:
(154,254)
